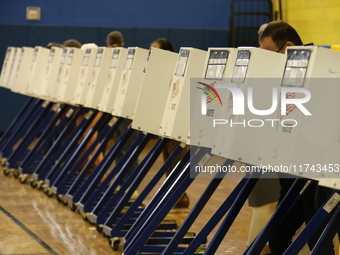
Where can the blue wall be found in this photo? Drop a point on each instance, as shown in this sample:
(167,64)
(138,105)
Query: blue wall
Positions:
(126,13)
(187,23)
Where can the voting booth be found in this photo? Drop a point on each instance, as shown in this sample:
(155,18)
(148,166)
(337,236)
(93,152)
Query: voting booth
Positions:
(111,86)
(176,117)
(158,73)
(69,75)
(306,139)
(21,71)
(205,98)
(241,126)
(85,76)
(35,78)
(99,77)
(13,68)
(130,82)
(7,65)
(50,74)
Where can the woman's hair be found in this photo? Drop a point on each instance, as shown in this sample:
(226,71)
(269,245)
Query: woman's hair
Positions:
(164,44)
(281,32)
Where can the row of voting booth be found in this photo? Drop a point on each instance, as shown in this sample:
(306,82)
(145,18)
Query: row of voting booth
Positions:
(273,112)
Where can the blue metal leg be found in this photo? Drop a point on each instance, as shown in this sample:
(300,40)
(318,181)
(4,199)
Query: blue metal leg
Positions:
(158,196)
(20,129)
(32,132)
(85,192)
(117,229)
(215,219)
(16,121)
(330,231)
(171,197)
(234,210)
(70,146)
(131,184)
(58,146)
(101,209)
(117,174)
(43,142)
(108,133)
(196,210)
(73,164)
(313,224)
(283,207)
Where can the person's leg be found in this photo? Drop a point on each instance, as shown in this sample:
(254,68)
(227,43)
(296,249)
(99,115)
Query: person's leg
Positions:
(260,217)
(282,237)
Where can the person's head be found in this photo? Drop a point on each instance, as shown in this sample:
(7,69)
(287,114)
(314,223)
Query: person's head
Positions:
(72,43)
(278,35)
(261,28)
(163,43)
(114,39)
(53,44)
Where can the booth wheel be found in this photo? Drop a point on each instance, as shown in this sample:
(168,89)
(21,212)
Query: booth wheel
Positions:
(48,191)
(33,183)
(114,243)
(73,206)
(6,171)
(22,178)
(15,173)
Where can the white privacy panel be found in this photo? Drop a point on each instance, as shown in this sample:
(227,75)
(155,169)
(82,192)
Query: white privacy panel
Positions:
(205,98)
(130,82)
(176,117)
(158,73)
(112,83)
(85,76)
(7,64)
(22,70)
(50,73)
(308,145)
(238,133)
(35,78)
(69,76)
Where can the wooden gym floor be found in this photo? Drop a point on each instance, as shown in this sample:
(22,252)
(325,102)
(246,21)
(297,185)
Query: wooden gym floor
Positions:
(33,223)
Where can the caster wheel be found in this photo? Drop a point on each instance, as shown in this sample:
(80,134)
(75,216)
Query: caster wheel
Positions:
(99,228)
(73,206)
(61,199)
(47,191)
(15,173)
(114,243)
(40,185)
(23,178)
(6,171)
(33,183)
(84,217)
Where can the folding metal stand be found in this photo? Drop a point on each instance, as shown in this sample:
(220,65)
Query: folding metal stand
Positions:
(143,229)
(16,121)
(71,145)
(85,192)
(81,178)
(60,181)
(284,206)
(35,155)
(58,146)
(21,128)
(103,199)
(114,227)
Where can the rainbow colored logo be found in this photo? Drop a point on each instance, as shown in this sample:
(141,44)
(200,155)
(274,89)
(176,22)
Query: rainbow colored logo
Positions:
(211,92)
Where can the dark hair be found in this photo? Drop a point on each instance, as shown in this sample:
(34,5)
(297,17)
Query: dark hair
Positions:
(53,44)
(115,38)
(164,44)
(72,43)
(281,32)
